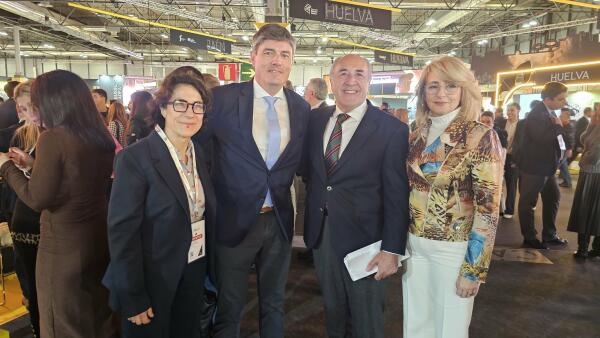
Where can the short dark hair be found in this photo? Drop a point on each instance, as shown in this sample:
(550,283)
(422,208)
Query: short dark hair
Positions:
(553,89)
(488,114)
(9,88)
(534,103)
(514,104)
(272,32)
(64,100)
(165,92)
(100,92)
(587,110)
(385,104)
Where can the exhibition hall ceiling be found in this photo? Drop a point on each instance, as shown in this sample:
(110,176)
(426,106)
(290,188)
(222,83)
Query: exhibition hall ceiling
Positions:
(57,29)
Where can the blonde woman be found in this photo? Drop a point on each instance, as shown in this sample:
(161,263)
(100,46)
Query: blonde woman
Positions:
(455,167)
(117,121)
(25,222)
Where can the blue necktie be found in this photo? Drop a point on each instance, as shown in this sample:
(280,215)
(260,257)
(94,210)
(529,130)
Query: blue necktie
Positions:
(274,139)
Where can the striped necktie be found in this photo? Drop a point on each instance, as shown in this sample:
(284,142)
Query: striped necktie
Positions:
(332,152)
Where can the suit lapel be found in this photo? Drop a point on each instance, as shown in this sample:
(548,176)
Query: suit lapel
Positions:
(163,163)
(245,113)
(365,129)
(204,176)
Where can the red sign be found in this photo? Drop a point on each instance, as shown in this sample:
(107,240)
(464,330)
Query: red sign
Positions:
(228,71)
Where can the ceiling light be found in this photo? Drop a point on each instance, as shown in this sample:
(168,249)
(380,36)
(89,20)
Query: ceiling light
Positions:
(245,38)
(483,42)
(314,60)
(324,39)
(164,36)
(47,45)
(430,22)
(319,51)
(184,49)
(533,23)
(428,62)
(3,33)
(199,58)
(83,56)
(24,55)
(525,25)
(132,16)
(452,53)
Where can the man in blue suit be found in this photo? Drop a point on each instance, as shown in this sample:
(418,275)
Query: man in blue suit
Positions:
(257,132)
(355,166)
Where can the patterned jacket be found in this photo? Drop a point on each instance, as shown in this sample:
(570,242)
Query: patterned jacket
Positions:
(461,202)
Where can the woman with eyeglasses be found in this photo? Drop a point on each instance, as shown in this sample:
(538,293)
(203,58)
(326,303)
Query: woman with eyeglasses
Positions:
(455,168)
(160,220)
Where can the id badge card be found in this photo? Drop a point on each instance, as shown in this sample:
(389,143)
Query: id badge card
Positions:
(197,247)
(561,143)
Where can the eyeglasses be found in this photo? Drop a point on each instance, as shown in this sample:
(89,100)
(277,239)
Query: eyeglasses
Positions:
(434,89)
(181,106)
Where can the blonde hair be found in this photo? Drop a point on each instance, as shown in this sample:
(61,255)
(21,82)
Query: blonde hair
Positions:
(26,137)
(23,88)
(450,69)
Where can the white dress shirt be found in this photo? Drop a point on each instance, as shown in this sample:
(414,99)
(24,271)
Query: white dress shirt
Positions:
(260,128)
(511,128)
(348,127)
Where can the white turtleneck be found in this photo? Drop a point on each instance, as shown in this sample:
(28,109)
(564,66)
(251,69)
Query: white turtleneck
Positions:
(439,125)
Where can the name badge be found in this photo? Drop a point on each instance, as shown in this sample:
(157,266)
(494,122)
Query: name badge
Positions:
(197,247)
(561,143)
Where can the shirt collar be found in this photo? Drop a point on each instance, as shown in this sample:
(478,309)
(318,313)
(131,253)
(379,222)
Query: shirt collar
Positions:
(356,113)
(316,105)
(259,92)
(548,109)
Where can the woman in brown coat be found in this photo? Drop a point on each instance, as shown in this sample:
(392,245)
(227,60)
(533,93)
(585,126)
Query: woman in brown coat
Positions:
(68,185)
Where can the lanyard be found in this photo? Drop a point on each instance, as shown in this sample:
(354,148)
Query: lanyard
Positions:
(192,194)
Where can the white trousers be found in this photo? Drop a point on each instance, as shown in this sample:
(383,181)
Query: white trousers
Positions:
(432,309)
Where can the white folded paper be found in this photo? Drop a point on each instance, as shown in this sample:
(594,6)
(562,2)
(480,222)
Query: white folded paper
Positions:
(357,261)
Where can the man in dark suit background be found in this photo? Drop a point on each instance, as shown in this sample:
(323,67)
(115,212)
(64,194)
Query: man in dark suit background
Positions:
(316,92)
(541,150)
(8,109)
(569,138)
(580,127)
(257,133)
(355,166)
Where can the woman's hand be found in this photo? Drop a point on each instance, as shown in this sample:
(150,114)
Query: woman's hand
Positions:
(142,318)
(466,288)
(4,157)
(21,159)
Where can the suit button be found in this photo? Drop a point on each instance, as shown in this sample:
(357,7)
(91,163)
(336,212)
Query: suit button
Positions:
(329,188)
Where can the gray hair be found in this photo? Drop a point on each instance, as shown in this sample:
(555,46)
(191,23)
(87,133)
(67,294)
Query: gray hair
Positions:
(319,87)
(272,32)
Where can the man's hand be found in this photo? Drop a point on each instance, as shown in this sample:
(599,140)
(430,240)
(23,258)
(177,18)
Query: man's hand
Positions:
(142,318)
(387,264)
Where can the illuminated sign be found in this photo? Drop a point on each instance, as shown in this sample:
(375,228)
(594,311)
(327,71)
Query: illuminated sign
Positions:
(345,13)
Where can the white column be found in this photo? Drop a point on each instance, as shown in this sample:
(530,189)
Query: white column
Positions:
(18,63)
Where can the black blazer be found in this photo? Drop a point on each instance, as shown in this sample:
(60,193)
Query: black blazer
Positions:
(539,152)
(240,175)
(8,114)
(366,196)
(149,229)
